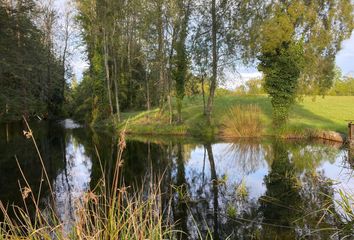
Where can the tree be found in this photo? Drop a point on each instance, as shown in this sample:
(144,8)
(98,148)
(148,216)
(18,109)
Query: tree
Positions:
(181,60)
(224,32)
(282,69)
(30,70)
(301,31)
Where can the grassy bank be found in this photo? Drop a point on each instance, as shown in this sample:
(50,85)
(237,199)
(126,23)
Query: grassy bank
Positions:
(328,114)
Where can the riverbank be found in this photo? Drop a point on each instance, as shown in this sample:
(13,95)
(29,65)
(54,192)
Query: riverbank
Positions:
(312,117)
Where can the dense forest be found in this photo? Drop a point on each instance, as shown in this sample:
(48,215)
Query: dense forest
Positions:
(32,71)
(144,54)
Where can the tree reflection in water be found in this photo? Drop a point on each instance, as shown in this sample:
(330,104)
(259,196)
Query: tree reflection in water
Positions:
(263,189)
(292,205)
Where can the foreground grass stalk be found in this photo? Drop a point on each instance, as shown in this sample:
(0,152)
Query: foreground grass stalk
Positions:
(109,211)
(29,134)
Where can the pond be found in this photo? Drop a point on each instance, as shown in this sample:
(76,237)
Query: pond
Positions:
(249,189)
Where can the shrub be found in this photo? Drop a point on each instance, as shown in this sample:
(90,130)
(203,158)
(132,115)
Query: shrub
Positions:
(242,121)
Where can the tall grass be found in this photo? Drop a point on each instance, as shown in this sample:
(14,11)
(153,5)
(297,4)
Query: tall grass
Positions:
(344,212)
(110,211)
(242,121)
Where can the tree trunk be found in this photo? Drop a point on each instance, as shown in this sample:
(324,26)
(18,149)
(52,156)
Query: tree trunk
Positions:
(214,63)
(106,64)
(19,61)
(130,80)
(147,94)
(203,93)
(169,83)
(116,89)
(66,39)
(215,190)
(160,27)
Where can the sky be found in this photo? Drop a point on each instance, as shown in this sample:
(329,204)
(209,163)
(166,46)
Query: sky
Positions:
(345,58)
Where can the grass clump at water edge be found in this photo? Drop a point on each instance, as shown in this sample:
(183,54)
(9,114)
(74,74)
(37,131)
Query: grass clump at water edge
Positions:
(242,121)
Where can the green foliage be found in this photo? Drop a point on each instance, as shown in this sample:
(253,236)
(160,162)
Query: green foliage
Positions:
(342,87)
(320,25)
(282,69)
(308,114)
(255,86)
(304,31)
(181,60)
(219,92)
(32,81)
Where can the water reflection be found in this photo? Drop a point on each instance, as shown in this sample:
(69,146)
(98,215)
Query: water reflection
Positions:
(72,182)
(263,189)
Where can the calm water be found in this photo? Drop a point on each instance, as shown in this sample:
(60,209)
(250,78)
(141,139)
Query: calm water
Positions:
(264,189)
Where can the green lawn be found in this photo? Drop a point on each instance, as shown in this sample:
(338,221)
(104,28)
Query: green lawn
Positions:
(327,113)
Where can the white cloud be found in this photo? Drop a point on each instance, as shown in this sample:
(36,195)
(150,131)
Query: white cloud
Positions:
(236,79)
(79,66)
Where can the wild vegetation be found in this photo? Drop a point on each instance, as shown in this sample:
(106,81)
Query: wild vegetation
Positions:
(157,67)
(148,55)
(115,213)
(242,121)
(142,54)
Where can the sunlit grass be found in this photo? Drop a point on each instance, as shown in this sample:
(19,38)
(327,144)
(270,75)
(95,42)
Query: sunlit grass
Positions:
(318,113)
(242,121)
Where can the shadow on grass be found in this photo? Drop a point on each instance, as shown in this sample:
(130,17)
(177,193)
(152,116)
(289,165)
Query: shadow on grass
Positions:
(195,121)
(303,118)
(300,117)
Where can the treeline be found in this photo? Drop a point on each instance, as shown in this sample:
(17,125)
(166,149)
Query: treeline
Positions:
(32,73)
(143,53)
(342,86)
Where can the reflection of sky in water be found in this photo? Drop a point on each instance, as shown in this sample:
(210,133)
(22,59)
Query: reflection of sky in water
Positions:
(70,124)
(342,174)
(72,182)
(229,166)
(235,165)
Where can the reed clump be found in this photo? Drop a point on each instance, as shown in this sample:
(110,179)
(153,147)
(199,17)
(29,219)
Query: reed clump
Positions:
(109,211)
(242,121)
(342,209)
